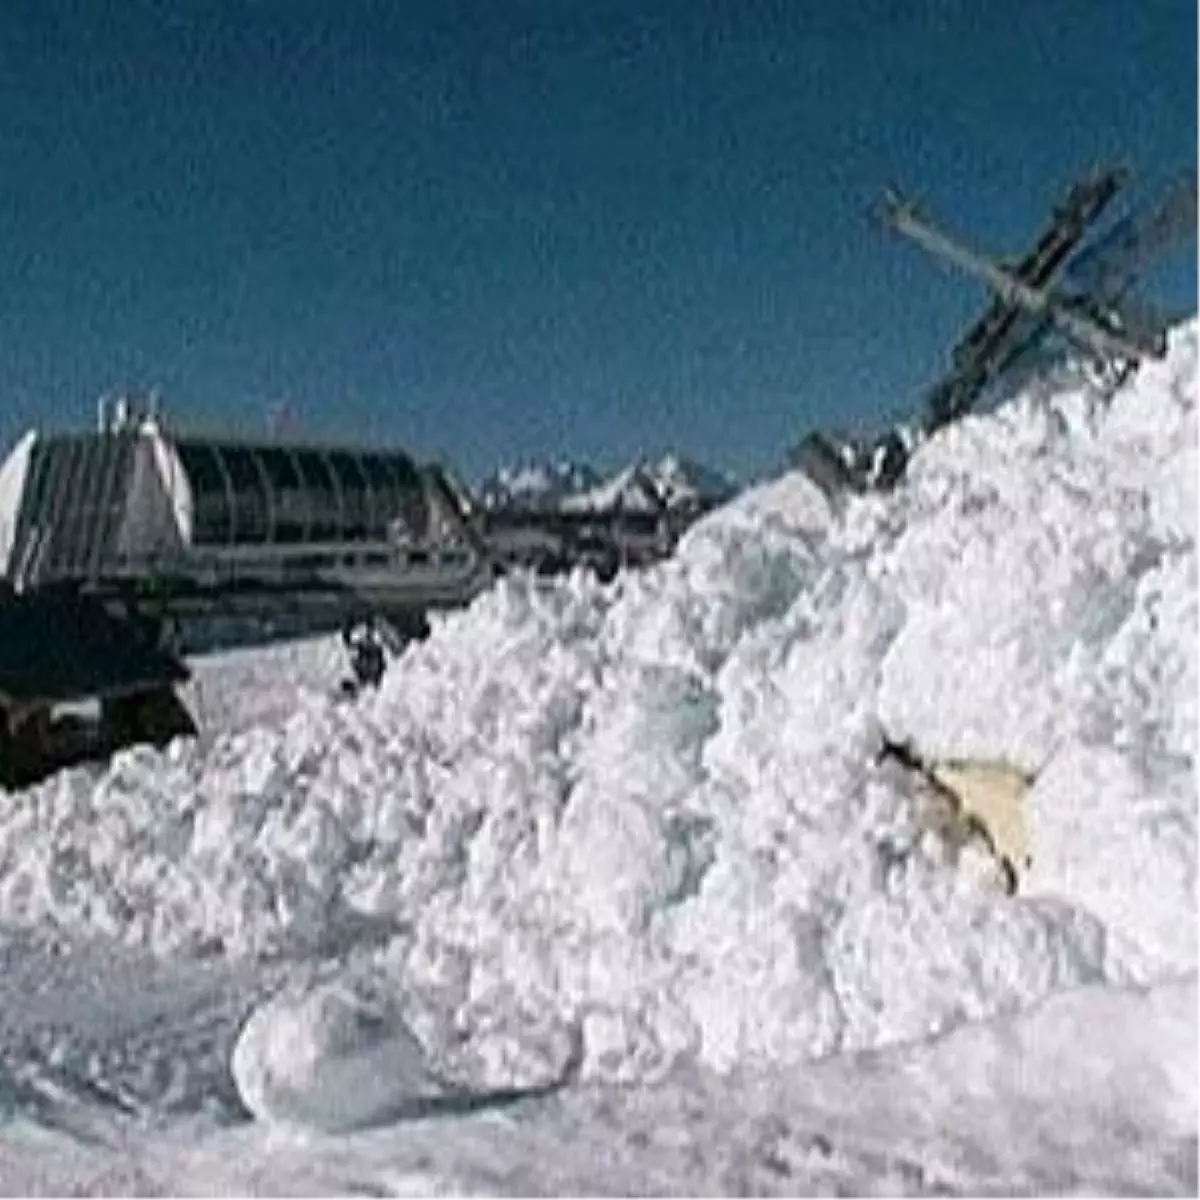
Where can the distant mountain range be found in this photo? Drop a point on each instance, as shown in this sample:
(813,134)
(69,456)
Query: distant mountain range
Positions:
(535,485)
(672,482)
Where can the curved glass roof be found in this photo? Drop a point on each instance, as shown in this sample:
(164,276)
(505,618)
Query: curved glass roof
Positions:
(280,494)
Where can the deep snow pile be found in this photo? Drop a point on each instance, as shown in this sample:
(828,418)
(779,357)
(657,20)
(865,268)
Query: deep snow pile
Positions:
(647,816)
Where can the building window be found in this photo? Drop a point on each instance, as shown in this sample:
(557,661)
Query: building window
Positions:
(212,508)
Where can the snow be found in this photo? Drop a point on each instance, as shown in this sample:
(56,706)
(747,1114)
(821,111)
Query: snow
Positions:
(681,481)
(616,865)
(1033,1103)
(535,484)
(645,485)
(629,490)
(331,1057)
(671,482)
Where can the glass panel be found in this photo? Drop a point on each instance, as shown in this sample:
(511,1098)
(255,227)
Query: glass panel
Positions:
(288,493)
(411,508)
(249,497)
(210,496)
(355,506)
(384,501)
(404,470)
(326,522)
(313,495)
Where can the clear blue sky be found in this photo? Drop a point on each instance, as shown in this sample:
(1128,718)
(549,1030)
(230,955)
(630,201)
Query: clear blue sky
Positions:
(505,228)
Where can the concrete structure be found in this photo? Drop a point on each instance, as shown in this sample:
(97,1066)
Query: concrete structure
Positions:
(136,508)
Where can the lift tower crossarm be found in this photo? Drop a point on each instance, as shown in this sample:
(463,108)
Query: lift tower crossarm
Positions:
(1104,341)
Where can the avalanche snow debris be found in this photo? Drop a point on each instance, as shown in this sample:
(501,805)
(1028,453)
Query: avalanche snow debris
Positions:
(648,813)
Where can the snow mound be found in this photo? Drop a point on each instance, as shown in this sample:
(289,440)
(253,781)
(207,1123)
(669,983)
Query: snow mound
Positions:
(651,810)
(330,1057)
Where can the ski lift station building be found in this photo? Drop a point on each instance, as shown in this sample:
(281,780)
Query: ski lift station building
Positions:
(136,507)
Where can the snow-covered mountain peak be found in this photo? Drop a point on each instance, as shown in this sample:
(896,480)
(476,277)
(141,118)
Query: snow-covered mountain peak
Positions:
(644,485)
(682,480)
(536,484)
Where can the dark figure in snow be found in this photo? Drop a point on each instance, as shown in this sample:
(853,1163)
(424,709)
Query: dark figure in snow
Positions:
(367,659)
(368,662)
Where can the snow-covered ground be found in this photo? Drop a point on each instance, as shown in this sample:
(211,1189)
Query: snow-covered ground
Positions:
(604,890)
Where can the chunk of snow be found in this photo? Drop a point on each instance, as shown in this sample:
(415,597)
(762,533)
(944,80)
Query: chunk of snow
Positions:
(330,1057)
